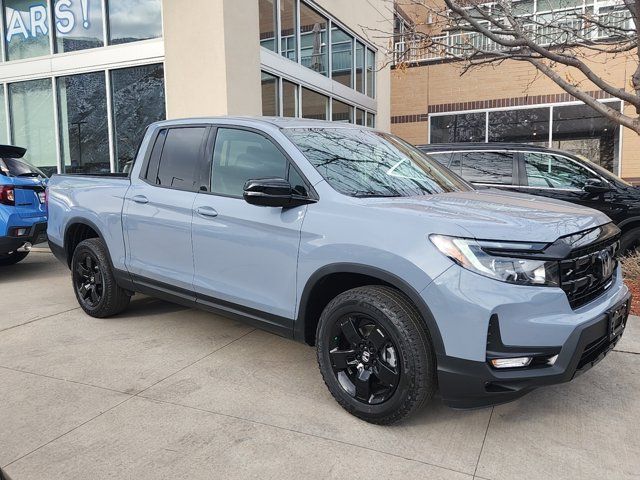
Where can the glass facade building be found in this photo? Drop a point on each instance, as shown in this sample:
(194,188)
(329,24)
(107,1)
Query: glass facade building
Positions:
(86,113)
(317,42)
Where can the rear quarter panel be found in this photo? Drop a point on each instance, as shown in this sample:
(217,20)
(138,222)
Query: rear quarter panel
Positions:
(96,201)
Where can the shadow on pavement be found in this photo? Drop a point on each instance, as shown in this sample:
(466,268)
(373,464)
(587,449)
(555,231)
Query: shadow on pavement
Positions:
(143,306)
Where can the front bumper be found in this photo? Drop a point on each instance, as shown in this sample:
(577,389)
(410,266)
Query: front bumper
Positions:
(37,234)
(470,384)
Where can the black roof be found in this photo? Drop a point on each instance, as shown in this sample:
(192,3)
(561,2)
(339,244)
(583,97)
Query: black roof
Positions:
(439,147)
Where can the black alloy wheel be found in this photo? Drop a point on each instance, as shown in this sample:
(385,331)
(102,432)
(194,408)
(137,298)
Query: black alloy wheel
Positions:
(375,354)
(94,282)
(89,280)
(364,359)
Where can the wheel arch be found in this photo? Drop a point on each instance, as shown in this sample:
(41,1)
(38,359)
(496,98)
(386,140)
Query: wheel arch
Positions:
(320,290)
(77,230)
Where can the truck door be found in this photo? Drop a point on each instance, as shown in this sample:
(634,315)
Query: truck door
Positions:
(158,209)
(246,256)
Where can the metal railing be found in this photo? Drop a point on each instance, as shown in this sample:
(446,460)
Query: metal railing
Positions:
(456,45)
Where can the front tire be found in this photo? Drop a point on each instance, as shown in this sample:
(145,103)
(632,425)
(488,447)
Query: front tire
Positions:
(375,354)
(93,281)
(12,258)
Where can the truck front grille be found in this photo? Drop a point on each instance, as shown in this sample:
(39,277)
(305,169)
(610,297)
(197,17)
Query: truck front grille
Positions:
(589,271)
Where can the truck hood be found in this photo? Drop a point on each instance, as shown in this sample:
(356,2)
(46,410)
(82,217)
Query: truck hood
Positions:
(498,215)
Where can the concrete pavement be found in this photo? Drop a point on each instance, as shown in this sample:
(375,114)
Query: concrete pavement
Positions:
(167,392)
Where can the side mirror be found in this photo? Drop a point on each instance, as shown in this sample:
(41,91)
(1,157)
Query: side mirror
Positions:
(596,185)
(273,192)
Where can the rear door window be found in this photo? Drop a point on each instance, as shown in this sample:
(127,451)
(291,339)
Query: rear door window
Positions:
(180,161)
(494,168)
(552,171)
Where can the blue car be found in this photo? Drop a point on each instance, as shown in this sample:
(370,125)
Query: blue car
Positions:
(23,210)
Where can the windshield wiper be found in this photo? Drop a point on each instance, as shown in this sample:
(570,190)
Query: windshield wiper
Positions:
(30,174)
(364,194)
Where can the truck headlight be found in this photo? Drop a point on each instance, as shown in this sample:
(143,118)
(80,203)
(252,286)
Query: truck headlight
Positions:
(474,255)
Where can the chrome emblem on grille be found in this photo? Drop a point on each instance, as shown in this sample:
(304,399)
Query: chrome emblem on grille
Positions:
(606,263)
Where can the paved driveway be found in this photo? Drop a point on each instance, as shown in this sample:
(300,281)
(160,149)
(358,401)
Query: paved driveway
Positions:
(167,392)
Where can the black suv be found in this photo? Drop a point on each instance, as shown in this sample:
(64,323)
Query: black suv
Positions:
(551,173)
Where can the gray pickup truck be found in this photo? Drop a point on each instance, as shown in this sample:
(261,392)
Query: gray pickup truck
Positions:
(404,277)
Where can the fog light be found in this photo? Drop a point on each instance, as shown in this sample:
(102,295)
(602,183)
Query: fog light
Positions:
(552,360)
(20,232)
(517,362)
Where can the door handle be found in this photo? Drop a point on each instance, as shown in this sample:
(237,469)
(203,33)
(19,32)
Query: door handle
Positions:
(206,212)
(140,199)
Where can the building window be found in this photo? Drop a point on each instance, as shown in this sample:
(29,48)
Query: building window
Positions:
(576,128)
(84,132)
(371,73)
(288,29)
(529,125)
(290,106)
(26,28)
(371,120)
(582,130)
(138,100)
(467,127)
(78,25)
(313,40)
(360,117)
(32,122)
(269,95)
(4,140)
(314,105)
(134,20)
(360,67)
(341,56)
(267,18)
(341,112)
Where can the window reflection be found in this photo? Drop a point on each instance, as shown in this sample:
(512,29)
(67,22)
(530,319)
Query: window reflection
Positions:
(32,122)
(313,40)
(341,112)
(359,67)
(133,20)
(78,25)
(84,134)
(290,106)
(267,19)
(529,125)
(288,22)
(314,105)
(371,73)
(582,130)
(26,28)
(138,100)
(269,95)
(467,127)
(341,56)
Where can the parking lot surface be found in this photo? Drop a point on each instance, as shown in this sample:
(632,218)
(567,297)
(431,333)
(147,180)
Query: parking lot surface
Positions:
(167,392)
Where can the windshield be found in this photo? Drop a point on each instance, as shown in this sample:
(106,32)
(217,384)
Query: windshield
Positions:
(12,167)
(366,163)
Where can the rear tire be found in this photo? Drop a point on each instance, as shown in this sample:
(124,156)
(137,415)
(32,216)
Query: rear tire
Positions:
(630,241)
(12,258)
(93,281)
(375,354)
